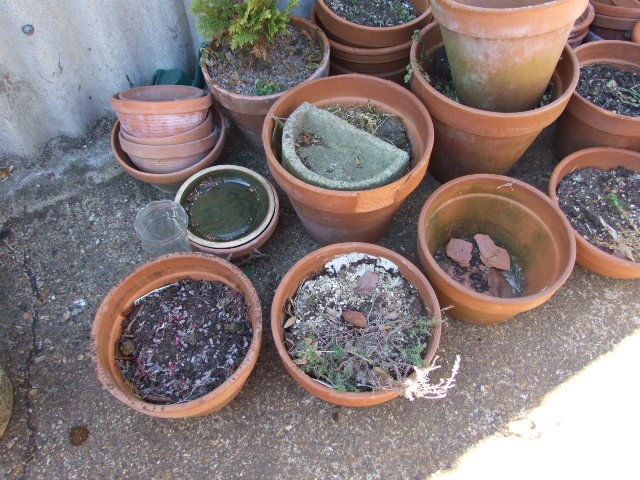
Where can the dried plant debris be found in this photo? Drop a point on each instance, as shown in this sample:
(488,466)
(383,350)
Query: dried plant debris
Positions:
(374,13)
(183,340)
(481,264)
(358,325)
(438,74)
(611,87)
(385,126)
(603,206)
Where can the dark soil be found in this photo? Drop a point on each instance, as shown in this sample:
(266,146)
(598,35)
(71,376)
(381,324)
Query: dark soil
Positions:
(291,59)
(438,74)
(358,325)
(182,341)
(603,206)
(491,281)
(611,87)
(374,13)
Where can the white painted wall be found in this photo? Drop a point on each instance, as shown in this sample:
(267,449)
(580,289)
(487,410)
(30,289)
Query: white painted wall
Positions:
(58,80)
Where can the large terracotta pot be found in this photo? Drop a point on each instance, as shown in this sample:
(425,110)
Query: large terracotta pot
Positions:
(332,216)
(504,52)
(513,214)
(107,326)
(605,158)
(350,33)
(248,112)
(583,124)
(469,140)
(309,265)
(168,182)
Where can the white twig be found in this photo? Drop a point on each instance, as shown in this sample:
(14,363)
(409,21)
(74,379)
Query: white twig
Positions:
(420,387)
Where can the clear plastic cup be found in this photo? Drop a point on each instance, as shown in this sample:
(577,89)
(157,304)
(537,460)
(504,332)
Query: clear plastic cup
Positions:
(162,227)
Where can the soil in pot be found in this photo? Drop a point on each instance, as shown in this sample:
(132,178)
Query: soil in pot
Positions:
(358,325)
(603,206)
(183,340)
(438,74)
(374,13)
(290,60)
(482,265)
(611,87)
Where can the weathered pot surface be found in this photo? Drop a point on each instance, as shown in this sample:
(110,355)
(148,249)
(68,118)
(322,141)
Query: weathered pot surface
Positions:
(316,261)
(588,255)
(165,270)
(332,216)
(512,213)
(470,140)
(168,182)
(583,124)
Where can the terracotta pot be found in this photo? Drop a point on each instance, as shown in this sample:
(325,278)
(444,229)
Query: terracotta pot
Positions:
(309,265)
(161,93)
(168,182)
(584,20)
(613,28)
(469,140)
(515,215)
(373,37)
(161,115)
(583,124)
(635,33)
(107,326)
(332,216)
(371,61)
(248,112)
(610,9)
(575,41)
(252,240)
(201,131)
(605,158)
(503,53)
(396,76)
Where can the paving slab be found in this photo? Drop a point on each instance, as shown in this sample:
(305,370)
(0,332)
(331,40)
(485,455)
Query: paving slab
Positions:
(64,244)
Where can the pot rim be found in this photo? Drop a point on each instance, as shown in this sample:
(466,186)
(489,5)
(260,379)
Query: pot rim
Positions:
(594,156)
(178,410)
(310,263)
(501,181)
(276,164)
(268,218)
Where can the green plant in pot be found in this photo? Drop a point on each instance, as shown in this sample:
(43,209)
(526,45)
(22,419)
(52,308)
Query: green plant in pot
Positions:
(256,53)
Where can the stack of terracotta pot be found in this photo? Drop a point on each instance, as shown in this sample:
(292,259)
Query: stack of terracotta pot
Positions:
(379,51)
(614,19)
(165,128)
(581,26)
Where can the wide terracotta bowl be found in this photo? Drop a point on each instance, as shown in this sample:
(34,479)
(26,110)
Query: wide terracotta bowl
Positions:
(168,182)
(159,113)
(515,215)
(305,268)
(107,328)
(588,255)
(201,131)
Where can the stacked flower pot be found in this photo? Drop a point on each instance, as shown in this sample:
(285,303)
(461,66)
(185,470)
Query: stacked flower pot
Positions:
(581,26)
(379,51)
(165,133)
(615,19)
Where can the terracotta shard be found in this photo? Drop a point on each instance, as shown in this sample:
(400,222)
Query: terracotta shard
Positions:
(367,282)
(492,255)
(459,251)
(496,282)
(356,319)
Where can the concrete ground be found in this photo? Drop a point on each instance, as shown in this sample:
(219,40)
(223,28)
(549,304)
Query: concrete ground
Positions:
(551,392)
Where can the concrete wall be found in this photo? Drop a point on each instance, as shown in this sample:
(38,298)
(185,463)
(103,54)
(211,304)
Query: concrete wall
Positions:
(58,80)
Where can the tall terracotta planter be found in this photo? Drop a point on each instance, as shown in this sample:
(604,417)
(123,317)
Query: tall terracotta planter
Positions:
(310,264)
(469,140)
(349,33)
(504,52)
(584,124)
(588,255)
(248,112)
(332,216)
(107,326)
(512,213)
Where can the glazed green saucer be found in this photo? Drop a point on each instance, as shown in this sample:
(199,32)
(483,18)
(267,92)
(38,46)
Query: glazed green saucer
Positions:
(227,205)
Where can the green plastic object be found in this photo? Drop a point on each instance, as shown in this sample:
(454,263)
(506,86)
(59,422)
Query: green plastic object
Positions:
(177,76)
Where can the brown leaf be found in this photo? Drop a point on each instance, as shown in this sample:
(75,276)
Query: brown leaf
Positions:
(5,172)
(496,282)
(356,319)
(289,322)
(367,282)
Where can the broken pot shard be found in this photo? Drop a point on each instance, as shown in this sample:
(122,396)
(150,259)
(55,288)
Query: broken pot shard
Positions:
(492,255)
